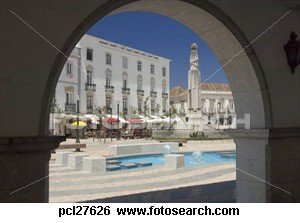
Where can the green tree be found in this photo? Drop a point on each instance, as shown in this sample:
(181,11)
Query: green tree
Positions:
(55,107)
(174,111)
(134,110)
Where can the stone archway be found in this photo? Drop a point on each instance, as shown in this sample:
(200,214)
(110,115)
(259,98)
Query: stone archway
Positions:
(226,40)
(218,23)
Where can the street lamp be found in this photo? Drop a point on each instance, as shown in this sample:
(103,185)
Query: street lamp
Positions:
(118,120)
(292,50)
(111,124)
(77,126)
(170,113)
(218,118)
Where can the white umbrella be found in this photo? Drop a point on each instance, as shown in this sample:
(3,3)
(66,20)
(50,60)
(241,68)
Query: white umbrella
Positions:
(94,118)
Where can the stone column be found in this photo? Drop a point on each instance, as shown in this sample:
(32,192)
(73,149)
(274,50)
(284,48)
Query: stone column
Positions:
(283,165)
(268,165)
(24,168)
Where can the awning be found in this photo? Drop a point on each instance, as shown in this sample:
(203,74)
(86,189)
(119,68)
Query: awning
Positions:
(80,123)
(94,118)
(135,120)
(113,119)
(110,120)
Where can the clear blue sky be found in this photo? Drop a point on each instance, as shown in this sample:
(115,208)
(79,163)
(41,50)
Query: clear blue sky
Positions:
(162,36)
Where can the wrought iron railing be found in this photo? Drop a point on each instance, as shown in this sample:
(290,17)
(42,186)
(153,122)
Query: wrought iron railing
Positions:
(90,87)
(89,110)
(109,89)
(126,90)
(140,92)
(153,94)
(165,95)
(70,107)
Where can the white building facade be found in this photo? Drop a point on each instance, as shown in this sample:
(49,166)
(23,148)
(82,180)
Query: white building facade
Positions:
(104,74)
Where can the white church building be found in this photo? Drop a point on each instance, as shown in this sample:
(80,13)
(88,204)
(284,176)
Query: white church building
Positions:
(102,74)
(203,105)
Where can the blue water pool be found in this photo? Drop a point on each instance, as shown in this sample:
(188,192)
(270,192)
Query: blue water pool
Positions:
(190,159)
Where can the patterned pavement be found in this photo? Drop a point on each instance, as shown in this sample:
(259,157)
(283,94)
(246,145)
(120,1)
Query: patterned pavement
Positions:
(67,185)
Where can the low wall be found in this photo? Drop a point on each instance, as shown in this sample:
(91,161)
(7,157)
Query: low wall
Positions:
(222,192)
(189,134)
(120,150)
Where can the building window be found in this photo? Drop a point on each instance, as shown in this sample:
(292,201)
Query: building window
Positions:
(152,84)
(124,62)
(124,78)
(139,65)
(140,105)
(164,72)
(125,104)
(125,84)
(69,68)
(89,76)
(108,59)
(107,101)
(139,82)
(164,86)
(152,105)
(69,98)
(108,78)
(89,101)
(152,69)
(89,54)
(220,105)
(182,106)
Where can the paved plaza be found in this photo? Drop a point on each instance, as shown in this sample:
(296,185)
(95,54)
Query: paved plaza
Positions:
(67,185)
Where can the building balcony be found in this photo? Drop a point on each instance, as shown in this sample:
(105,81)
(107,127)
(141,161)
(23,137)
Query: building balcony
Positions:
(70,107)
(89,110)
(153,94)
(140,92)
(125,90)
(165,95)
(90,87)
(109,89)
